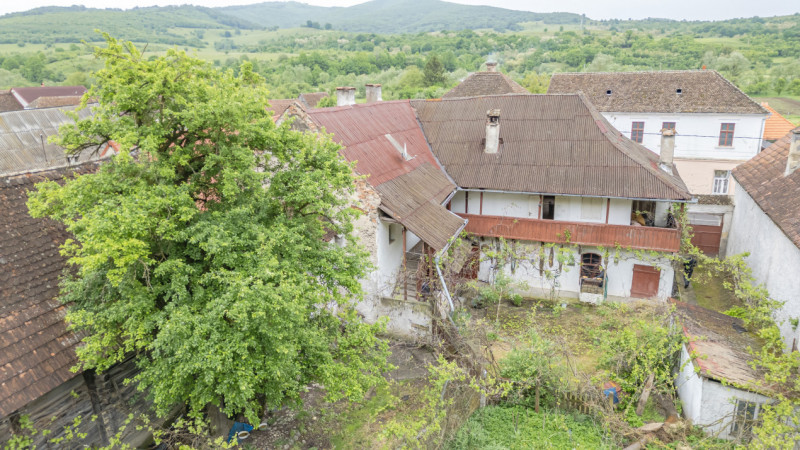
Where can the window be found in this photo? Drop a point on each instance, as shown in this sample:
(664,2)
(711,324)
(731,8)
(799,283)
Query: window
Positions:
(721,182)
(668,125)
(591,266)
(392,233)
(591,208)
(548,207)
(743,419)
(726,135)
(637,131)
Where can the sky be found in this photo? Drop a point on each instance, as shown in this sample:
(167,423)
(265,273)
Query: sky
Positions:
(594,9)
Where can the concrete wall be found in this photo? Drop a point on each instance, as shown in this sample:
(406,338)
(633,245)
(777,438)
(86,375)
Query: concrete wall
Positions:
(564,279)
(407,319)
(773,257)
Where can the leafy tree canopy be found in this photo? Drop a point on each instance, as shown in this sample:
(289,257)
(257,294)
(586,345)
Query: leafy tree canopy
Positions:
(201,250)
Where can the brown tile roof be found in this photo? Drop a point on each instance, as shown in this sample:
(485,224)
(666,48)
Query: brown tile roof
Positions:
(23,140)
(777,195)
(776,125)
(29,94)
(555,144)
(411,190)
(55,102)
(279,106)
(311,99)
(485,83)
(38,351)
(720,343)
(702,91)
(8,102)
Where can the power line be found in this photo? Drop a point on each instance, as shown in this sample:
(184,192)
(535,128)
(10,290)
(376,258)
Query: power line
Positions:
(691,135)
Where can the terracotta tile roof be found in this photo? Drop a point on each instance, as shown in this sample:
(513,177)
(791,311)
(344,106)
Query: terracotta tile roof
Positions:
(38,351)
(23,140)
(702,91)
(554,144)
(720,342)
(776,125)
(777,195)
(279,106)
(8,102)
(485,83)
(311,99)
(29,94)
(373,136)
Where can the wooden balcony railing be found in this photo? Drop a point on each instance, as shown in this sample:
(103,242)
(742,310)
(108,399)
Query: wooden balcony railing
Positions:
(595,234)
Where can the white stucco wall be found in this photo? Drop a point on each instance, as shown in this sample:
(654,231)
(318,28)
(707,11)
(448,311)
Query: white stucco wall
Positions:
(567,281)
(697,134)
(773,259)
(698,174)
(690,388)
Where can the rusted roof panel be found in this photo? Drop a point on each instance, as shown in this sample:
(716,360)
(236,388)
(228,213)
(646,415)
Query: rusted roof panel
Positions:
(485,83)
(24,136)
(778,195)
(701,91)
(555,144)
(37,349)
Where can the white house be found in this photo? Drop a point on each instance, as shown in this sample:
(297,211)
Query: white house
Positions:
(717,128)
(718,388)
(766,224)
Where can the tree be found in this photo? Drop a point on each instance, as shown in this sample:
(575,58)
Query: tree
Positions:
(434,72)
(201,251)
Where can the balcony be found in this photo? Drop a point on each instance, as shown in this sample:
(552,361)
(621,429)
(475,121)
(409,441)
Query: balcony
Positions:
(594,234)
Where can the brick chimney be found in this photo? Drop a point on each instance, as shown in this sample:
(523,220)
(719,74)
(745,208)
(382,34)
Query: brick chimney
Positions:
(345,96)
(667,153)
(492,131)
(491,67)
(793,161)
(373,93)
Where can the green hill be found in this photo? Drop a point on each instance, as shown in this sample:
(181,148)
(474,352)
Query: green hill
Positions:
(394,16)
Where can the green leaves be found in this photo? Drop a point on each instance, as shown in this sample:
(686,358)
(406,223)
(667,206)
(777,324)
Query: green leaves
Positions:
(200,247)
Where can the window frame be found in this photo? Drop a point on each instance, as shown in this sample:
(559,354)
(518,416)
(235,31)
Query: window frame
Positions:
(745,416)
(722,178)
(726,134)
(668,125)
(637,131)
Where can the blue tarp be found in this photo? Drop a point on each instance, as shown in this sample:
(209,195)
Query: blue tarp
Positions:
(236,428)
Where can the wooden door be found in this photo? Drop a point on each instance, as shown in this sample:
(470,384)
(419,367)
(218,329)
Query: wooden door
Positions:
(707,238)
(645,281)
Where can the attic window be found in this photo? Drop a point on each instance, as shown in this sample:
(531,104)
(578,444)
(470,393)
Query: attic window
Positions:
(679,91)
(608,92)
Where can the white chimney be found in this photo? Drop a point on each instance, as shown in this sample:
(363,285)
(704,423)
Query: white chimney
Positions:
(491,67)
(345,96)
(793,161)
(373,93)
(492,131)
(667,154)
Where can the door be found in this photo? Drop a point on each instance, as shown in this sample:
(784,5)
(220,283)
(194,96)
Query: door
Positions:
(645,281)
(707,229)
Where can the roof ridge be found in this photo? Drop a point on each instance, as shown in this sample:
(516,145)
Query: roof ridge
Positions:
(639,71)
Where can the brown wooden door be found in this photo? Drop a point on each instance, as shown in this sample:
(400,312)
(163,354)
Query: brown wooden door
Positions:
(645,281)
(706,238)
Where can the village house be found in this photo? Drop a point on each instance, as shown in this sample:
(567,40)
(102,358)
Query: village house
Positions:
(766,224)
(775,127)
(489,82)
(38,97)
(38,351)
(718,388)
(717,128)
(546,172)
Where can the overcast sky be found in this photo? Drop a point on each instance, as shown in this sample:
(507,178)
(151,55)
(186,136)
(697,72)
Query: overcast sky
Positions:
(595,9)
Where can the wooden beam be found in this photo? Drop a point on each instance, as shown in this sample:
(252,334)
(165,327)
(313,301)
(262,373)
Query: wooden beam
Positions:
(480,211)
(608,208)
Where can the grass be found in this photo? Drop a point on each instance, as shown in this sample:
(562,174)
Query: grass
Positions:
(710,292)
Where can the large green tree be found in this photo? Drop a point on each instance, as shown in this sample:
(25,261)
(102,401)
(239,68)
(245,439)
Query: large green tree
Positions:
(200,247)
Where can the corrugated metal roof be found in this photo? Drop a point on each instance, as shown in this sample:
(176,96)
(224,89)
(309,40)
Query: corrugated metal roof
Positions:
(411,190)
(310,99)
(24,135)
(701,91)
(485,83)
(555,144)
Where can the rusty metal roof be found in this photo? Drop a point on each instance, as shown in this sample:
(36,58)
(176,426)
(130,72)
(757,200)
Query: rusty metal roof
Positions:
(485,83)
(374,136)
(37,349)
(310,99)
(23,140)
(551,144)
(778,195)
(29,94)
(701,91)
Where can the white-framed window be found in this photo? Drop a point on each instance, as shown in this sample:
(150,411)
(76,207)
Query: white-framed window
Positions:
(722,181)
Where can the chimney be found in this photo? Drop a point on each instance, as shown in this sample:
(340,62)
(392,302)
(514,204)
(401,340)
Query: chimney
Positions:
(345,96)
(373,93)
(667,149)
(492,131)
(491,67)
(793,161)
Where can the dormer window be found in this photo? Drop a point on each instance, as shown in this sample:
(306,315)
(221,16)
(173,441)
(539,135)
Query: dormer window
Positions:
(608,92)
(679,91)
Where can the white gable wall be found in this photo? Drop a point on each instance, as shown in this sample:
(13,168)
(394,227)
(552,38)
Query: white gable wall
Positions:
(773,257)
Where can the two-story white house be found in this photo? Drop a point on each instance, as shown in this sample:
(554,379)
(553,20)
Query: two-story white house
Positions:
(717,128)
